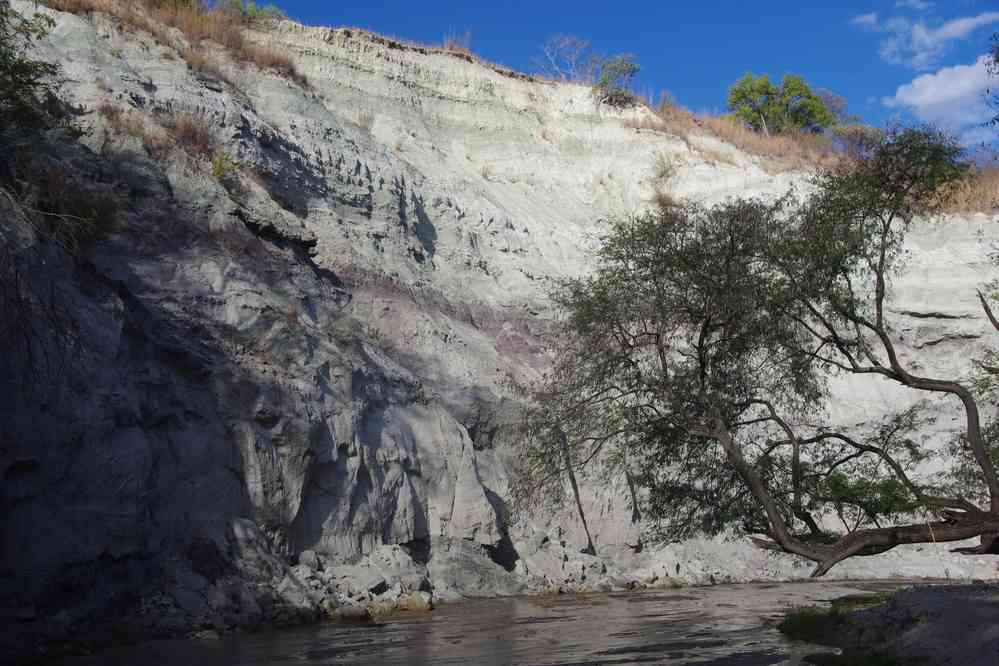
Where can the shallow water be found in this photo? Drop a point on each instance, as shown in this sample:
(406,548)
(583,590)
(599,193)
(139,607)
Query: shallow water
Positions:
(726,624)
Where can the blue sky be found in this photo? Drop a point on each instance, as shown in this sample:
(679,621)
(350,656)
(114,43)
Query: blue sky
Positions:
(914,59)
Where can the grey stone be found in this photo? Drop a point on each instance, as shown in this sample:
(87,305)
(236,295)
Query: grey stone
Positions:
(310,559)
(304,572)
(353,614)
(374,584)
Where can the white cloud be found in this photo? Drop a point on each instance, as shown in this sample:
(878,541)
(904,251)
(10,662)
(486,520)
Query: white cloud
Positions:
(953,98)
(866,20)
(917,45)
(918,5)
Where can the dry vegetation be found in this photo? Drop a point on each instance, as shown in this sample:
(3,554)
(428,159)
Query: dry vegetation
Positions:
(979,194)
(130,122)
(123,121)
(802,150)
(780,152)
(190,132)
(458,43)
(198,26)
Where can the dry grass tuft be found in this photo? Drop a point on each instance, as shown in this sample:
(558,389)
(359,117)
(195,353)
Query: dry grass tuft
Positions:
(458,42)
(366,121)
(205,62)
(81,6)
(199,26)
(802,151)
(654,124)
(157,142)
(715,157)
(798,151)
(192,133)
(266,57)
(675,118)
(123,121)
(130,123)
(980,193)
(665,167)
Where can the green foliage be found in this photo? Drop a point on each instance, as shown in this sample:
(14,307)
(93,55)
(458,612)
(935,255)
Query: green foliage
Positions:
(27,87)
(909,172)
(792,107)
(662,282)
(885,497)
(614,80)
(253,12)
(223,165)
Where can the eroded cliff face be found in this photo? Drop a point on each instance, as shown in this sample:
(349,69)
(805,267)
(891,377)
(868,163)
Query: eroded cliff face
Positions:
(325,354)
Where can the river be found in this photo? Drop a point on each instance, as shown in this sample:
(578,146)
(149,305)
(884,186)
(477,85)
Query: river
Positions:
(724,624)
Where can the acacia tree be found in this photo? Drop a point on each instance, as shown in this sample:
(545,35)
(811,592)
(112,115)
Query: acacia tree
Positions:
(701,348)
(772,109)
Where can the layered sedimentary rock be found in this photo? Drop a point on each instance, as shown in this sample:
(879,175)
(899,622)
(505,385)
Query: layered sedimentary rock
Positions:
(326,353)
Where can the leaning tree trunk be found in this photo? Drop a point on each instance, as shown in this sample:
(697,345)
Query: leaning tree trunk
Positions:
(589,550)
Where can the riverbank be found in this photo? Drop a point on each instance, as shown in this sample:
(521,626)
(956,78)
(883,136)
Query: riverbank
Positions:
(922,624)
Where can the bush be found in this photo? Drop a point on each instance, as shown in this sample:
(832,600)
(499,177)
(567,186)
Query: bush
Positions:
(73,212)
(27,87)
(614,81)
(192,133)
(266,57)
(67,206)
(223,165)
(123,121)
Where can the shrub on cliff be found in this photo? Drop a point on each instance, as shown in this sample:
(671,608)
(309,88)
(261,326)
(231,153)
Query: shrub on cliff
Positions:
(27,86)
(614,80)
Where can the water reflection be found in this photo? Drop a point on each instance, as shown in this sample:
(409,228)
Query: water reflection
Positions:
(732,625)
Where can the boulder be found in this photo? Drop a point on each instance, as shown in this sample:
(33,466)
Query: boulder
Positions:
(309,559)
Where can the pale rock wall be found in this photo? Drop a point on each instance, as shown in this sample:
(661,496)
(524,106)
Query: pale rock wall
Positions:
(325,361)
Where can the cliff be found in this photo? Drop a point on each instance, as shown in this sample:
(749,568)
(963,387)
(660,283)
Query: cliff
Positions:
(293,388)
